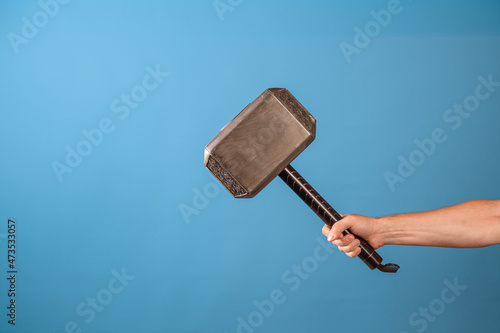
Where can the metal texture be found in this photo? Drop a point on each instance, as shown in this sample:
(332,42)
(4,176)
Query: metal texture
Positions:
(259,142)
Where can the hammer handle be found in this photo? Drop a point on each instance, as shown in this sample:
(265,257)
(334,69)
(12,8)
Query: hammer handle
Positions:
(319,205)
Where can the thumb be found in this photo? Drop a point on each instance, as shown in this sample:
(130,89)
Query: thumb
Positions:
(339,227)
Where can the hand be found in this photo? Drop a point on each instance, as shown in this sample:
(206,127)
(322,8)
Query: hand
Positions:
(362,226)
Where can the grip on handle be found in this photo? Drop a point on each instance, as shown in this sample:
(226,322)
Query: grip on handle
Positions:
(319,205)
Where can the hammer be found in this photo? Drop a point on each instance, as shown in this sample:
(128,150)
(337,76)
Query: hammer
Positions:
(260,143)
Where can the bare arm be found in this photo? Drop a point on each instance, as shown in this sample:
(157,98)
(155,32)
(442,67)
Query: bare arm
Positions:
(470,224)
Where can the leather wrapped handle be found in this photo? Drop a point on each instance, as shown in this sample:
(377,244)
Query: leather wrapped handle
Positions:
(319,205)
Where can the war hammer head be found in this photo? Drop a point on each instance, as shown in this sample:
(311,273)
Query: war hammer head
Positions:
(254,147)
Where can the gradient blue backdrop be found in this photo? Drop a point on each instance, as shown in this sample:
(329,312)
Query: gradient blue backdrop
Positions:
(121,208)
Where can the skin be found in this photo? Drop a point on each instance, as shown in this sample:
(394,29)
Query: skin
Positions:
(466,225)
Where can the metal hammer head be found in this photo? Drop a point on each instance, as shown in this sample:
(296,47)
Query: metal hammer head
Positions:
(254,147)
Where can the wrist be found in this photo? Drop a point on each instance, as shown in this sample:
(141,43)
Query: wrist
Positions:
(383,232)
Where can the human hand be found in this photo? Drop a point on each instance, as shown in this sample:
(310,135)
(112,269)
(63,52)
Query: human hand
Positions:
(362,226)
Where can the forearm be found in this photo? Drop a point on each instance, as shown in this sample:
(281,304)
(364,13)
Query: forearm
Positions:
(470,224)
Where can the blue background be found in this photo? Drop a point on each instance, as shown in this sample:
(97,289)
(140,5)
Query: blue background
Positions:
(121,207)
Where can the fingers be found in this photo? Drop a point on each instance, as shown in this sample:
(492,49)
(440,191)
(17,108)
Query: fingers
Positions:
(338,228)
(354,253)
(344,241)
(348,243)
(325,230)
